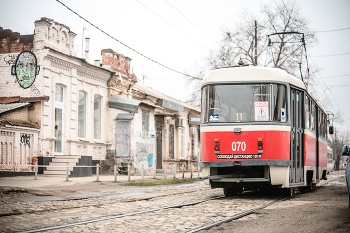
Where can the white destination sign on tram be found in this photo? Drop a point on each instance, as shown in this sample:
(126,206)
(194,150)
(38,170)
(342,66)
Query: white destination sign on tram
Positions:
(261,111)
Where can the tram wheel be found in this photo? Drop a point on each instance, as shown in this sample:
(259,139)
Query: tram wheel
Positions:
(237,191)
(227,192)
(291,191)
(312,185)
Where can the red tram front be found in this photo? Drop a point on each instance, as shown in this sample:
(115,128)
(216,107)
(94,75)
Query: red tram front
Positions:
(260,128)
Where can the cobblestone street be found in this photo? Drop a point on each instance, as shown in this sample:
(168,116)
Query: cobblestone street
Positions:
(51,213)
(118,208)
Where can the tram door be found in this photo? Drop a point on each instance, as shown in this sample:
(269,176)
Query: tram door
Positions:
(296,150)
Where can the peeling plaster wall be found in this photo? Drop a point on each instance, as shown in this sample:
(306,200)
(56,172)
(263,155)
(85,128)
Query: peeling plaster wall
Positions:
(141,150)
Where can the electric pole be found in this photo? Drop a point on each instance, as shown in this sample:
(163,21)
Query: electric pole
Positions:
(256,44)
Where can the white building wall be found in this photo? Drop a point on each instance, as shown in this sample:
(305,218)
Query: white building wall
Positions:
(141,150)
(16,152)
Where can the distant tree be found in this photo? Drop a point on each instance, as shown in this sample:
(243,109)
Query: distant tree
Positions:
(338,141)
(282,51)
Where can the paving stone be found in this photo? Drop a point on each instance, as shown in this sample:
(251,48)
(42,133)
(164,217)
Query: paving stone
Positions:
(164,221)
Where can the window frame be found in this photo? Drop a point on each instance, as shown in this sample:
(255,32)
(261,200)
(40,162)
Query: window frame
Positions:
(82,122)
(97,130)
(145,123)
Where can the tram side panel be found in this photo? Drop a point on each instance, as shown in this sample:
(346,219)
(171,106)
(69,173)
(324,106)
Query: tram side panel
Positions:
(322,161)
(309,157)
(309,150)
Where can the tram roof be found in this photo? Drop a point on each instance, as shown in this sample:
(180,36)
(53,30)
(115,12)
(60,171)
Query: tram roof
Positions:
(251,74)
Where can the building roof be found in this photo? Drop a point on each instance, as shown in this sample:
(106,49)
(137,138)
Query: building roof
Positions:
(155,93)
(19,99)
(19,123)
(122,103)
(9,107)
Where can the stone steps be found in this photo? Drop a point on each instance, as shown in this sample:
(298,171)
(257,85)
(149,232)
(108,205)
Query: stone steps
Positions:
(46,172)
(61,161)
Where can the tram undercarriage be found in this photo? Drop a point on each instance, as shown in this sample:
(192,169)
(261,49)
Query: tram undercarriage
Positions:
(234,180)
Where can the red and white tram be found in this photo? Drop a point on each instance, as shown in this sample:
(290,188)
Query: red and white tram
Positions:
(260,128)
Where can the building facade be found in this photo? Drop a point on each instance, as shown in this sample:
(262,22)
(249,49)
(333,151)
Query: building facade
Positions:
(86,114)
(75,94)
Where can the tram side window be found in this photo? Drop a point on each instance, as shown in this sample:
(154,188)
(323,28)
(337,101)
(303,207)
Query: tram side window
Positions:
(325,125)
(280,103)
(320,123)
(307,115)
(313,113)
(205,104)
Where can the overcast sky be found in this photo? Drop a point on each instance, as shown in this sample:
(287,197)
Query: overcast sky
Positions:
(179,34)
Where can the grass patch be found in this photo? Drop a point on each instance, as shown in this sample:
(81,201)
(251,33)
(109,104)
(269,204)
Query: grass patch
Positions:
(161,182)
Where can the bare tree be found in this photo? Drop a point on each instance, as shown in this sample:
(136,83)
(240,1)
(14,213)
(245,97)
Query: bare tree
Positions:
(337,145)
(284,49)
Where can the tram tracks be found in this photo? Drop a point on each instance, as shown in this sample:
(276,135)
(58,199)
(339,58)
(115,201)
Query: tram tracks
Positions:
(251,211)
(152,213)
(201,210)
(20,212)
(121,216)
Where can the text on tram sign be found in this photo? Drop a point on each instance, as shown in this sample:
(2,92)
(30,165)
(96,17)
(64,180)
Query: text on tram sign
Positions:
(238,146)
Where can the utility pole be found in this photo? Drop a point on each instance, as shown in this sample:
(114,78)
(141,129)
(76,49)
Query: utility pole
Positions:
(143,79)
(82,44)
(256,44)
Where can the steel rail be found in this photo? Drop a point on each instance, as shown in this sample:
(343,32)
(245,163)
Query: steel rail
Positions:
(245,213)
(91,205)
(119,216)
(237,216)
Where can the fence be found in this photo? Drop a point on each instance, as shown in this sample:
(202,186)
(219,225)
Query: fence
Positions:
(36,166)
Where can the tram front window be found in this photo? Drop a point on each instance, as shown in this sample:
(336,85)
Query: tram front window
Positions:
(244,103)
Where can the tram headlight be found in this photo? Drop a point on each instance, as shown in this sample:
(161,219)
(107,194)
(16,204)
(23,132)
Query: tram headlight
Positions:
(260,146)
(216,146)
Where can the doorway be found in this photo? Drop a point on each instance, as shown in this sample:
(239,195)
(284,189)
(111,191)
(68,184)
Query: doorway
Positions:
(297,135)
(159,127)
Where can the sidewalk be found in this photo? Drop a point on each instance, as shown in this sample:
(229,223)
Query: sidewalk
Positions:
(43,181)
(28,182)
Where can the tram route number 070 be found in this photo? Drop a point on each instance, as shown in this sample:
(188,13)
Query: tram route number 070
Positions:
(238,146)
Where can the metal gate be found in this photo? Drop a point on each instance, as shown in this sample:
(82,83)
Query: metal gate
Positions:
(159,126)
(171,141)
(122,138)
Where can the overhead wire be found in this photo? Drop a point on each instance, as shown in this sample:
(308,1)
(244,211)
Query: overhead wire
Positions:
(172,24)
(325,56)
(337,76)
(189,51)
(332,55)
(191,22)
(330,92)
(123,43)
(335,30)
(17,24)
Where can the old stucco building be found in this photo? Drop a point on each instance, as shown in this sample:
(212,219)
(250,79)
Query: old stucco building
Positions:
(84,113)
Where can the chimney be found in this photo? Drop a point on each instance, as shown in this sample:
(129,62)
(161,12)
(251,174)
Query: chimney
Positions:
(87,44)
(97,63)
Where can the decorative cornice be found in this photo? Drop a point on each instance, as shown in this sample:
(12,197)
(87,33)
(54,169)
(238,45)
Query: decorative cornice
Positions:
(88,74)
(57,63)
